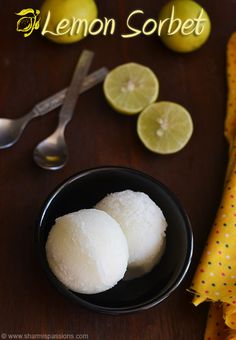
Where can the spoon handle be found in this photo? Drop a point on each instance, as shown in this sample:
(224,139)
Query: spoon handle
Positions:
(80,73)
(57,99)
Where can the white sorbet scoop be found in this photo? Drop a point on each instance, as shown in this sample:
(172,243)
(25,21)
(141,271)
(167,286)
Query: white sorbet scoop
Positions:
(87,251)
(143,224)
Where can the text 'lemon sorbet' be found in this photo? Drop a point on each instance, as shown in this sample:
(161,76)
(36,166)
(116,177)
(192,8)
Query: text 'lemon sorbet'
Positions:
(107,26)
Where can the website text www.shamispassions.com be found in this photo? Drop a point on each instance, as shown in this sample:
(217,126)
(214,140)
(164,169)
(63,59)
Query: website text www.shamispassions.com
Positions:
(63,336)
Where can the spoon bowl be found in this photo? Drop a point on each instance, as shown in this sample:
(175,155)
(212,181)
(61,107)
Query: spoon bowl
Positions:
(51,153)
(10,131)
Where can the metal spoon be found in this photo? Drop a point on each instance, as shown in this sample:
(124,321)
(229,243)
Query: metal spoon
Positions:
(51,153)
(11,129)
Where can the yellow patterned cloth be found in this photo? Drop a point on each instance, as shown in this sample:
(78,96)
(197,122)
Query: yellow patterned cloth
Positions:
(215,277)
(216,328)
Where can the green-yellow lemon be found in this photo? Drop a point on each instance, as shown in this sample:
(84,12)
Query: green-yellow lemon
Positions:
(67,12)
(165,127)
(131,87)
(195,19)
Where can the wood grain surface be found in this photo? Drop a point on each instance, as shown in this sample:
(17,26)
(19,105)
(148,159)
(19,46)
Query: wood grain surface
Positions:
(32,69)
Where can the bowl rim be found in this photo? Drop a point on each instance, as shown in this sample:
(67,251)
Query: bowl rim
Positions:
(93,306)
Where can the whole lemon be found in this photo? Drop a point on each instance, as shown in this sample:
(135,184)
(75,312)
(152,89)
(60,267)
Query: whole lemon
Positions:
(193,35)
(69,13)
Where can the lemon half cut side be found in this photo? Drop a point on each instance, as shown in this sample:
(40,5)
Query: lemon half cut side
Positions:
(130,88)
(165,127)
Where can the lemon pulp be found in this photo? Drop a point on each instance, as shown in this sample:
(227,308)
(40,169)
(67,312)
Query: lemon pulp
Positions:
(165,127)
(130,88)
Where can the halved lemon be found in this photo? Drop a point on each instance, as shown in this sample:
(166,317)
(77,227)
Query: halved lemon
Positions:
(130,88)
(165,127)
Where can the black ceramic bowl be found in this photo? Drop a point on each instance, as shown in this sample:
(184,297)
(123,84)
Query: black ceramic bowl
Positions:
(83,191)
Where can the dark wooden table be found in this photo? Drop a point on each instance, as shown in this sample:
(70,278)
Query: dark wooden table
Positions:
(33,68)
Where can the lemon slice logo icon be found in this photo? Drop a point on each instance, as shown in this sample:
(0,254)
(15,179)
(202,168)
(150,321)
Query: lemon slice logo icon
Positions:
(28,22)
